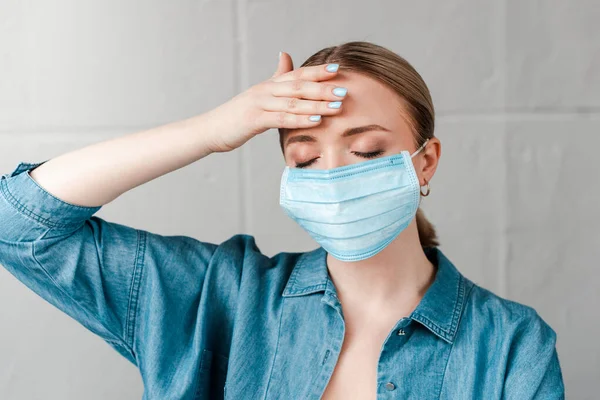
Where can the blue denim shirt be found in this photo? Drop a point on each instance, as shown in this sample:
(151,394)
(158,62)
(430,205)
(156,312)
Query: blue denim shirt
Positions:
(204,321)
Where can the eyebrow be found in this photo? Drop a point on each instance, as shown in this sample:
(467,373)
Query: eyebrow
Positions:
(348,132)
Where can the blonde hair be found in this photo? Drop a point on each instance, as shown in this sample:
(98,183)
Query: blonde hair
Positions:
(395,72)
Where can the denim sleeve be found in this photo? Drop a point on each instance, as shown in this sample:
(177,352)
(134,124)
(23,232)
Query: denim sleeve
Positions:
(533,370)
(85,266)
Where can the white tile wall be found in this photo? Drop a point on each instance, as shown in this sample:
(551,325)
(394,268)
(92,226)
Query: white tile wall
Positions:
(515,199)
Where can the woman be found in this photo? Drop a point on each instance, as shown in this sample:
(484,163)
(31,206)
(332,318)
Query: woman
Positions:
(376,312)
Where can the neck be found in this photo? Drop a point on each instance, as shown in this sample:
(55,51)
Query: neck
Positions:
(396,277)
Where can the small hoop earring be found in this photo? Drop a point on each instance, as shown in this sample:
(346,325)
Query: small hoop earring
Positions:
(428,189)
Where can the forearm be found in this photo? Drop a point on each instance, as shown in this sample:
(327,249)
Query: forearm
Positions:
(99,173)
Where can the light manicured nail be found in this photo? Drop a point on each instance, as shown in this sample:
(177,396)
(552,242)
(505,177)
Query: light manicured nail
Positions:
(332,67)
(335,104)
(279,54)
(315,118)
(340,91)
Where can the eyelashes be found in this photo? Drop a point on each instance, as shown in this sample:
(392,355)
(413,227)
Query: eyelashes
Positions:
(371,154)
(306,163)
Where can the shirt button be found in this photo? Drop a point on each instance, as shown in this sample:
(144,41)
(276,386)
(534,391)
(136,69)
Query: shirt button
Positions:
(401,332)
(390,386)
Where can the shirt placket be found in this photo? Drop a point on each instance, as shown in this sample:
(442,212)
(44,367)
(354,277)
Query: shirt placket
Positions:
(336,340)
(389,384)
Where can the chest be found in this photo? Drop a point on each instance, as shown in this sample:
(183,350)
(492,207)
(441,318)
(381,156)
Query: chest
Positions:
(320,355)
(355,373)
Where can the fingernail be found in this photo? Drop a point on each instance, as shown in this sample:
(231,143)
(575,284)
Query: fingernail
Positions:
(279,54)
(332,67)
(340,91)
(315,118)
(335,104)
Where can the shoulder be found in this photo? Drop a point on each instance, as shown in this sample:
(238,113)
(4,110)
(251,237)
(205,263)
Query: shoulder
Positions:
(483,313)
(238,252)
(506,324)
(242,254)
(234,248)
(243,248)
(486,305)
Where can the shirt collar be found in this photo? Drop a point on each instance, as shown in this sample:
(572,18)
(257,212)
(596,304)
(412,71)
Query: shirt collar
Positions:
(439,310)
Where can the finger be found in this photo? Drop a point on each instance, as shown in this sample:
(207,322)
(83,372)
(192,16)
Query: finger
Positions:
(280,119)
(307,90)
(284,65)
(312,73)
(294,105)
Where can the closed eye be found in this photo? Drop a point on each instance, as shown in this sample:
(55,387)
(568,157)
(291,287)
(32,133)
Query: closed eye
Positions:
(371,154)
(306,163)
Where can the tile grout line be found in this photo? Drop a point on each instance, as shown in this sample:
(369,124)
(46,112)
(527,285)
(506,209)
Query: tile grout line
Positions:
(239,62)
(503,268)
(498,115)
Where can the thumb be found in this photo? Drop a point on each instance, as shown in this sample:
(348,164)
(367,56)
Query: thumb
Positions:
(285,64)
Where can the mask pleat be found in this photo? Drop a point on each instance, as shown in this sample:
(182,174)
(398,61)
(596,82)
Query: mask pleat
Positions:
(356,229)
(349,210)
(361,244)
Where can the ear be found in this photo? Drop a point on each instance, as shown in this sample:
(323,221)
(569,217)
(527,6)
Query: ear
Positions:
(429,159)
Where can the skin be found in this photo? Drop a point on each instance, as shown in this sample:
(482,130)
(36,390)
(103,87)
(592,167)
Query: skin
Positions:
(375,293)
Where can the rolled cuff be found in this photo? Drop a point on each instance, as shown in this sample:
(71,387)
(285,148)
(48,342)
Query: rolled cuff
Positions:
(30,199)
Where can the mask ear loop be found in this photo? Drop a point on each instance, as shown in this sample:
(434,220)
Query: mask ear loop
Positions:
(419,149)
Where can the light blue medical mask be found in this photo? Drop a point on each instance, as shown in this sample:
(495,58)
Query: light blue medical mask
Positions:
(354,211)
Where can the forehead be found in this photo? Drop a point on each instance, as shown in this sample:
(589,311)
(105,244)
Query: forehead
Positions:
(368,101)
(362,85)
